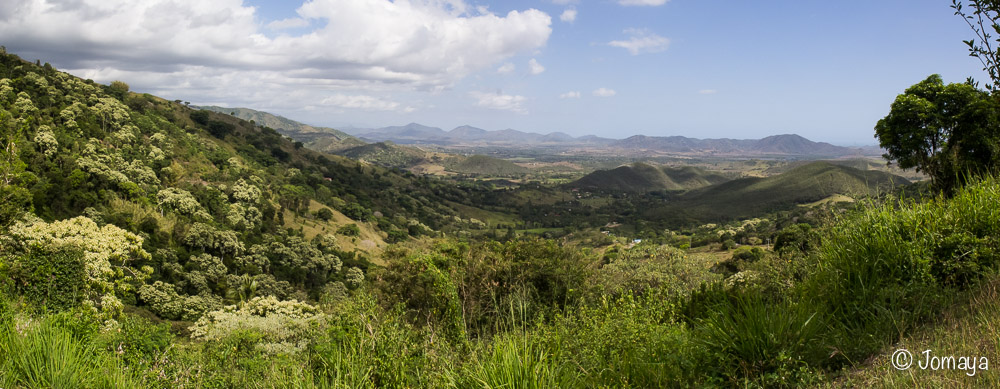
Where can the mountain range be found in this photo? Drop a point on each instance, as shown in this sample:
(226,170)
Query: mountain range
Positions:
(333,140)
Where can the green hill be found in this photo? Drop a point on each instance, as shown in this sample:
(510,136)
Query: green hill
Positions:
(804,184)
(198,200)
(318,138)
(482,165)
(386,154)
(641,177)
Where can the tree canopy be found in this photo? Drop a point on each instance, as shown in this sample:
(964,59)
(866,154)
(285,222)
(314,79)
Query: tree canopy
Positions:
(945,131)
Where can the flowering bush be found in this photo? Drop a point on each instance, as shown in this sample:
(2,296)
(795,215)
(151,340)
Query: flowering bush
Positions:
(285,326)
(106,253)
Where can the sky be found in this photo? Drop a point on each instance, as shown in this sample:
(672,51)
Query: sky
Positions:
(826,70)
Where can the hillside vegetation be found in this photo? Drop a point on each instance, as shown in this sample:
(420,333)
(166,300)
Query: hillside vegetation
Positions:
(147,244)
(642,177)
(385,154)
(484,165)
(319,138)
(804,184)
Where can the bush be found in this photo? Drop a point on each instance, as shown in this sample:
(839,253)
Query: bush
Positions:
(51,278)
(324,214)
(139,338)
(349,230)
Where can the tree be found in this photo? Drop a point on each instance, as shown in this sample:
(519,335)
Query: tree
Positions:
(945,131)
(983,18)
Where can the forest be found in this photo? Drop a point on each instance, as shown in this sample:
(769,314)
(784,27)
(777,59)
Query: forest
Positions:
(149,243)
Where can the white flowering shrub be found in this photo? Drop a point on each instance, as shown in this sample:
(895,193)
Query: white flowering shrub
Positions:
(242,217)
(113,113)
(46,141)
(206,237)
(244,192)
(354,278)
(106,251)
(101,164)
(285,326)
(210,265)
(182,202)
(6,89)
(163,299)
(24,105)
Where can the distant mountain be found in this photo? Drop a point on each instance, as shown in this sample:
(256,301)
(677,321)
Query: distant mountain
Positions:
(788,144)
(467,133)
(641,177)
(410,133)
(328,139)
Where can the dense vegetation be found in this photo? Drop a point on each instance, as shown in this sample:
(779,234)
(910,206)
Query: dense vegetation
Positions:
(147,244)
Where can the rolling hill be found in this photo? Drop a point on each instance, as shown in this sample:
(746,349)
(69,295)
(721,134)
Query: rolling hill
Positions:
(484,166)
(318,138)
(641,177)
(803,184)
(386,154)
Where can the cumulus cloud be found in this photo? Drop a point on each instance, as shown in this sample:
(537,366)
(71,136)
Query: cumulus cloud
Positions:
(707,92)
(641,41)
(652,3)
(604,92)
(535,68)
(285,24)
(506,68)
(219,50)
(570,95)
(568,15)
(364,102)
(500,101)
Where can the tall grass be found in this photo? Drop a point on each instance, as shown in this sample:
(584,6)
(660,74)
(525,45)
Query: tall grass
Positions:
(48,356)
(514,362)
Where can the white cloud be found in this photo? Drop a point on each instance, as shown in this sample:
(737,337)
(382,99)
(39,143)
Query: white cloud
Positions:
(535,68)
(568,15)
(642,2)
(506,68)
(708,92)
(500,101)
(220,50)
(604,92)
(285,24)
(640,41)
(570,95)
(364,102)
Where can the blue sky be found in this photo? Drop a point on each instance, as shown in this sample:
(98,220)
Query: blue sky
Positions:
(827,70)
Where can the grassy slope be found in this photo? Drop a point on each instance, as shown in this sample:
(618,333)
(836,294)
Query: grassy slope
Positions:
(484,165)
(386,154)
(971,329)
(641,177)
(804,184)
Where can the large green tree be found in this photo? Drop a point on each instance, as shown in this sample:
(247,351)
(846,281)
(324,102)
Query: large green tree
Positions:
(948,132)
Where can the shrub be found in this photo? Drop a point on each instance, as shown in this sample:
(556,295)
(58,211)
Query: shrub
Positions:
(349,230)
(284,327)
(54,278)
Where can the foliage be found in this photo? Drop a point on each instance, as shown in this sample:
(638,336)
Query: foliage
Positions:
(54,278)
(284,327)
(946,131)
(106,252)
(983,20)
(349,230)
